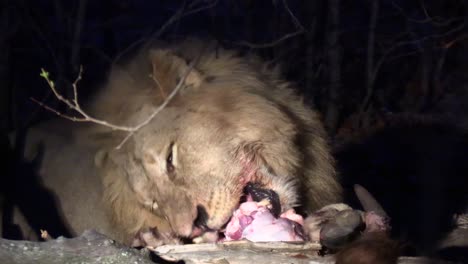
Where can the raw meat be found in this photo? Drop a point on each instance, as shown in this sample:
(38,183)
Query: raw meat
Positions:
(254,221)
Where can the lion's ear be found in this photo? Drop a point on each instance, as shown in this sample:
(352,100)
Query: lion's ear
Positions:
(168,69)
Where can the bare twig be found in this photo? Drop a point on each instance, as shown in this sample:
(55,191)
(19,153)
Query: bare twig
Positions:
(74,104)
(170,21)
(76,44)
(161,107)
(450,43)
(374,68)
(334,65)
(75,84)
(181,13)
(436,92)
(39,31)
(384,56)
(437,21)
(370,78)
(196,10)
(293,17)
(48,108)
(158,84)
(270,44)
(300,30)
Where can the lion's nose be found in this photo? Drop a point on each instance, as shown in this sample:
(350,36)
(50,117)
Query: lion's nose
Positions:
(202,217)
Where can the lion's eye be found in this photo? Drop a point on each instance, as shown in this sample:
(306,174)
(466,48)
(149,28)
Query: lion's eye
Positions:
(170,166)
(169,161)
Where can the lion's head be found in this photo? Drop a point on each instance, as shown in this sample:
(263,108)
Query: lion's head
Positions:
(233,122)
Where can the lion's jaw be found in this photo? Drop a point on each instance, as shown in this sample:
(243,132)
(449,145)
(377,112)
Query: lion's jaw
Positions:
(196,171)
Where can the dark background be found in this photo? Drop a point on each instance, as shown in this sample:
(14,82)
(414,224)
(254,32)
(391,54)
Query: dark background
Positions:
(351,59)
(357,62)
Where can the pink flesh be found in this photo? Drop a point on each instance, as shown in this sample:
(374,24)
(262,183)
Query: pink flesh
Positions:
(375,222)
(255,222)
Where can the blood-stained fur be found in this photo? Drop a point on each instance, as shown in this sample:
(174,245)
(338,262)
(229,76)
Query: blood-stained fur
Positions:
(234,121)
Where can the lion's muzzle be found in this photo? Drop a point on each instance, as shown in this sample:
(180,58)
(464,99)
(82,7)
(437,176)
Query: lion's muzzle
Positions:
(219,209)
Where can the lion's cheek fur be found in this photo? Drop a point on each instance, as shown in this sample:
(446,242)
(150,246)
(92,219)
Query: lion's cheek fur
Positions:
(221,205)
(217,195)
(162,199)
(181,213)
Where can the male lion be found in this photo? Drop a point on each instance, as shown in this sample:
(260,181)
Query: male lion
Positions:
(233,122)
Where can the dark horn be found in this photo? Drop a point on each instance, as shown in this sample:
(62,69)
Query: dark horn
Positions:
(368,202)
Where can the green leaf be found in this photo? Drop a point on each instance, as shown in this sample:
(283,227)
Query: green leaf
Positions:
(44,74)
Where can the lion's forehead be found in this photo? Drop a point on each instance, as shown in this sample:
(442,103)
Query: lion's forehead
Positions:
(203,147)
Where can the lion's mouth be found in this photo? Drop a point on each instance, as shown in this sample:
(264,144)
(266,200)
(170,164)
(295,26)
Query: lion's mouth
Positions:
(260,219)
(263,206)
(251,192)
(254,192)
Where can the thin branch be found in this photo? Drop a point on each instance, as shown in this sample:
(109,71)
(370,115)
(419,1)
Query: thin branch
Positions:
(51,84)
(370,78)
(75,85)
(180,14)
(437,76)
(177,16)
(39,32)
(85,118)
(156,81)
(163,105)
(384,56)
(334,65)
(170,21)
(428,18)
(270,44)
(48,108)
(158,84)
(76,44)
(296,22)
(196,10)
(294,18)
(74,105)
(450,43)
